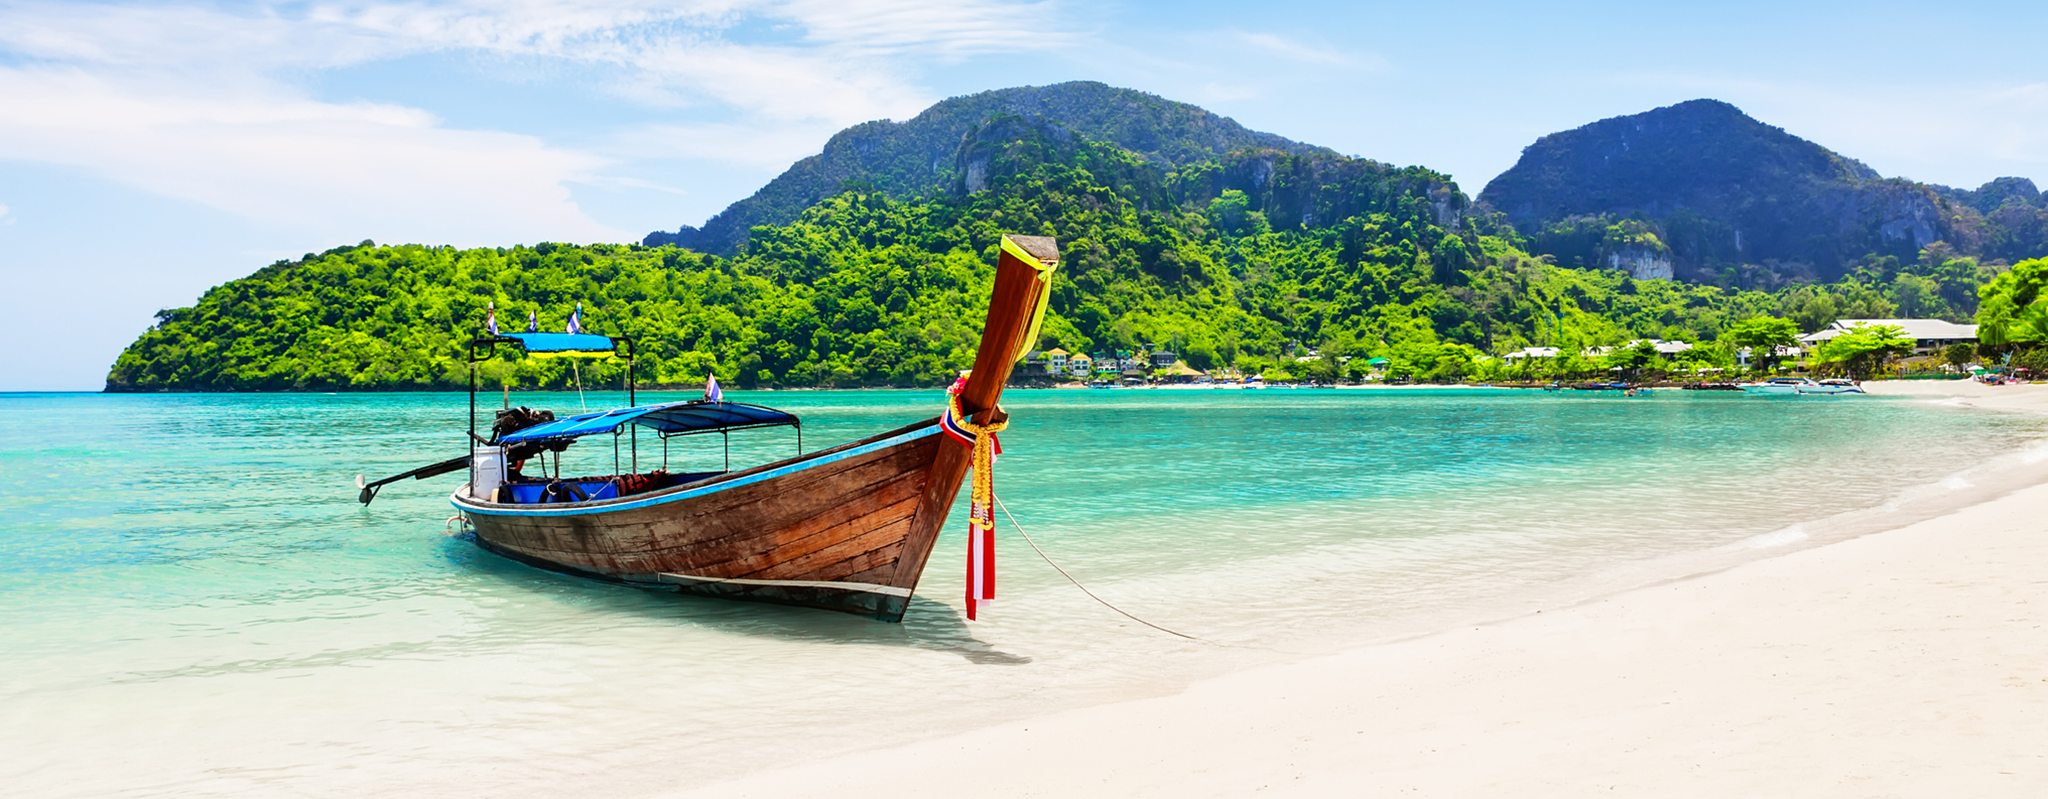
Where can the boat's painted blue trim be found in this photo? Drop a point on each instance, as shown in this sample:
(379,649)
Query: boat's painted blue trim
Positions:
(580,509)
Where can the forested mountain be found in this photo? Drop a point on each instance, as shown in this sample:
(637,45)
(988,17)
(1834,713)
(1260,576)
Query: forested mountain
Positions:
(1701,191)
(1247,259)
(915,159)
(1230,247)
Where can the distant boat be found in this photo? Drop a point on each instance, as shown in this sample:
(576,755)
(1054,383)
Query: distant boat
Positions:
(1788,386)
(846,528)
(1833,386)
(1777,386)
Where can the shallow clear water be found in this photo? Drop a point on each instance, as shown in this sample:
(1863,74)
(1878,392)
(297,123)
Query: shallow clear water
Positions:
(192,602)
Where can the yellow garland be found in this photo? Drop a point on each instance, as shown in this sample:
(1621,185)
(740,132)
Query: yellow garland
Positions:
(984,491)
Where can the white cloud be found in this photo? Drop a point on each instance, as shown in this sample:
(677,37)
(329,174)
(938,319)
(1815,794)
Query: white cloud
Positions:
(1303,52)
(4,218)
(924,26)
(197,102)
(342,170)
(773,85)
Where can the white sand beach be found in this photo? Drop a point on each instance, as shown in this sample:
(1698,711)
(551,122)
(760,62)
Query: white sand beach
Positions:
(1911,662)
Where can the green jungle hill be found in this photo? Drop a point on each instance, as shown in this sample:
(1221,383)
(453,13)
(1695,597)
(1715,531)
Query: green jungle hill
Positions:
(1232,249)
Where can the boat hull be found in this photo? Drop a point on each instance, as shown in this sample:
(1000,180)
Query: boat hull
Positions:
(846,529)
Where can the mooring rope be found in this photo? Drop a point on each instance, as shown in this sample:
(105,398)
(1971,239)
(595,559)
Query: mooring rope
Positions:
(1077,583)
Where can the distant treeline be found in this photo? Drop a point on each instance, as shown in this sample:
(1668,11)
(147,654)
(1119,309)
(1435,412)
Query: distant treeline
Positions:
(1347,257)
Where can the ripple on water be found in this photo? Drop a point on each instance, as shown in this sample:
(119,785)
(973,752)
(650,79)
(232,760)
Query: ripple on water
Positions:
(194,603)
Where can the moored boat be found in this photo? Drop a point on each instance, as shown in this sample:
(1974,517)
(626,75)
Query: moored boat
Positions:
(1832,386)
(1776,386)
(1789,386)
(847,528)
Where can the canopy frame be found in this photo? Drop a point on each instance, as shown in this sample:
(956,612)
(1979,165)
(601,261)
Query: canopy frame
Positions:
(484,348)
(653,418)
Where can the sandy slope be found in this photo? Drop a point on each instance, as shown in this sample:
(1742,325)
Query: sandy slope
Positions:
(1912,662)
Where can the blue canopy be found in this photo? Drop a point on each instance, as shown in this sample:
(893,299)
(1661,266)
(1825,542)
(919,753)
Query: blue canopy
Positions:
(561,342)
(669,419)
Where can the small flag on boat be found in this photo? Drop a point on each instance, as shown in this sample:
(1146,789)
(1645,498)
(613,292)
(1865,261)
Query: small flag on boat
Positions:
(576,320)
(712,393)
(491,318)
(532,321)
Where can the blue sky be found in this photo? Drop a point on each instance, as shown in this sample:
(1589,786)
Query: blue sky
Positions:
(149,151)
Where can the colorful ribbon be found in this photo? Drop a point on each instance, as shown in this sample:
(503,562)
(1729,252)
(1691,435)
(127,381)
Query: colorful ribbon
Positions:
(981,510)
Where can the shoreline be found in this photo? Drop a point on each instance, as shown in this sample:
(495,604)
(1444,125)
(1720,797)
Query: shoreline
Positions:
(1068,386)
(1905,661)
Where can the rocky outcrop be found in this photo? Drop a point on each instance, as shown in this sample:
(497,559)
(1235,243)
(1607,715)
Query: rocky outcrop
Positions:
(1291,190)
(1642,263)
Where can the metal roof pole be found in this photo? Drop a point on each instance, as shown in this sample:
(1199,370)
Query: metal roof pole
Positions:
(631,402)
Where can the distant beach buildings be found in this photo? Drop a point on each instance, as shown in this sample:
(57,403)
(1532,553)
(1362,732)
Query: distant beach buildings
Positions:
(1663,348)
(1928,335)
(1163,365)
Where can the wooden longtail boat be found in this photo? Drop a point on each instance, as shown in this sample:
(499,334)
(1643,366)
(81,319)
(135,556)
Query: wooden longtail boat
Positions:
(846,528)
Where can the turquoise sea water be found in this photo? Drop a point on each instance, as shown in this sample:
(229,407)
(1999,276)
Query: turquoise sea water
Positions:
(193,604)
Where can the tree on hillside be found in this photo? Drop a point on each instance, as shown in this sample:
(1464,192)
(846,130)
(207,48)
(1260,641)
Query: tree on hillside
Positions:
(1762,336)
(1631,360)
(2013,310)
(1864,349)
(1957,354)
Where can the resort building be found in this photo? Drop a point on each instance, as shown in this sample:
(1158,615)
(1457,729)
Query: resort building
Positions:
(1080,365)
(1046,362)
(1928,335)
(1782,352)
(1177,372)
(1666,348)
(1527,352)
(1115,361)
(1163,359)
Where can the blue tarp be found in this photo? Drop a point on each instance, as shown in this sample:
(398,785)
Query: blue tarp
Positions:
(562,342)
(674,418)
